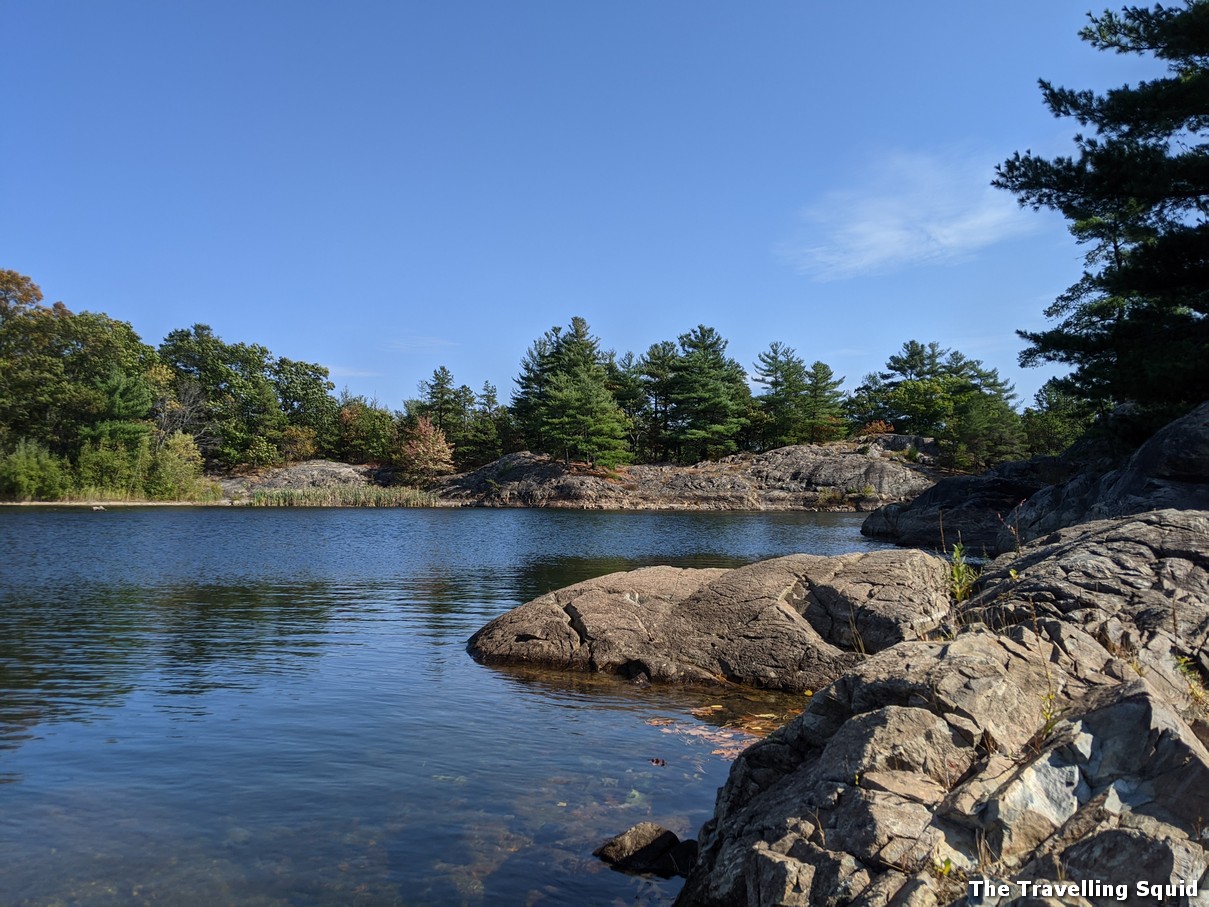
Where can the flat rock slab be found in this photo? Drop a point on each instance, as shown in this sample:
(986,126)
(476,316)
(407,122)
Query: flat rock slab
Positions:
(792,623)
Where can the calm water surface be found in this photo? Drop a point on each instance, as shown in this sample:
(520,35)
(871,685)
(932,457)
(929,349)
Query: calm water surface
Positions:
(275,707)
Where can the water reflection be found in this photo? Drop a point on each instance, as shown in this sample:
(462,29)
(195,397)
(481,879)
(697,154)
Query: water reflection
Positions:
(271,708)
(68,655)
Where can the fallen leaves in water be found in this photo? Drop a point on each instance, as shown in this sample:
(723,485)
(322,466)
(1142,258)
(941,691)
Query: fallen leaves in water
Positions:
(737,731)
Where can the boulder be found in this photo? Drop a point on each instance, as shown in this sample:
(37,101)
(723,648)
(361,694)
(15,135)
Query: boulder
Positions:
(648,848)
(966,509)
(307,474)
(791,623)
(1169,470)
(1015,503)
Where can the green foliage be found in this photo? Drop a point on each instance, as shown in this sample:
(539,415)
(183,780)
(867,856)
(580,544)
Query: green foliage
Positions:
(241,419)
(108,469)
(708,395)
(305,397)
(30,472)
(344,496)
(963,575)
(654,369)
(583,421)
(367,431)
(927,390)
(1135,326)
(1056,420)
(563,403)
(176,470)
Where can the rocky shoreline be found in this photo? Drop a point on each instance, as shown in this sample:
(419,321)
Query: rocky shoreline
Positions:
(855,475)
(861,475)
(1051,728)
(1017,502)
(1044,737)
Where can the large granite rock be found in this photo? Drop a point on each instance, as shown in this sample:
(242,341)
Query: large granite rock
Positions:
(1018,502)
(966,509)
(1057,738)
(792,623)
(297,476)
(802,477)
(1169,470)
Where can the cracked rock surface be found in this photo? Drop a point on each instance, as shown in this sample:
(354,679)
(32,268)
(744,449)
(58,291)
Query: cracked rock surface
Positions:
(1054,733)
(793,623)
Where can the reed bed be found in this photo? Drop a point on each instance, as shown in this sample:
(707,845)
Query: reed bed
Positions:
(344,496)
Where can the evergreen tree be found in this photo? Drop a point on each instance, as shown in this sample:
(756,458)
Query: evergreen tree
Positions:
(655,369)
(529,397)
(583,420)
(1056,420)
(822,405)
(563,403)
(783,373)
(484,439)
(919,390)
(1135,326)
(708,394)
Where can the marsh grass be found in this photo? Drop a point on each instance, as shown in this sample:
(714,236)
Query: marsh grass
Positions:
(344,496)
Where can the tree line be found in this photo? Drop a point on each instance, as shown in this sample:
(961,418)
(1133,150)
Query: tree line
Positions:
(87,408)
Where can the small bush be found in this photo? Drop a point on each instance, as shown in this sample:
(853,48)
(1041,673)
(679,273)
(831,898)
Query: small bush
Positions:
(32,473)
(830,497)
(962,574)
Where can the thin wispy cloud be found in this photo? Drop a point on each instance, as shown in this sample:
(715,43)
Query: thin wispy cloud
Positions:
(910,210)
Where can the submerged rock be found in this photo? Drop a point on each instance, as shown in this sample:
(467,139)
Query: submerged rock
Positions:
(793,623)
(647,847)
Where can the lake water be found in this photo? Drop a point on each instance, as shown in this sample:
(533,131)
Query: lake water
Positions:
(275,707)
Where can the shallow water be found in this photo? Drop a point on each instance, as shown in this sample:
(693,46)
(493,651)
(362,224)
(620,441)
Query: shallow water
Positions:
(275,707)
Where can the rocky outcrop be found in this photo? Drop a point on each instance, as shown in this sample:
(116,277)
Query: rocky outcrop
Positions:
(1169,470)
(847,475)
(792,623)
(969,509)
(1055,737)
(308,474)
(1018,502)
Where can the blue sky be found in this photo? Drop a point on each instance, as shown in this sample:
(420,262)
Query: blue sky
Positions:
(385,187)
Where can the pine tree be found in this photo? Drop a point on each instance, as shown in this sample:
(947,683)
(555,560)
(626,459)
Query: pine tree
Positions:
(563,403)
(583,420)
(783,373)
(823,405)
(1135,326)
(708,395)
(655,368)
